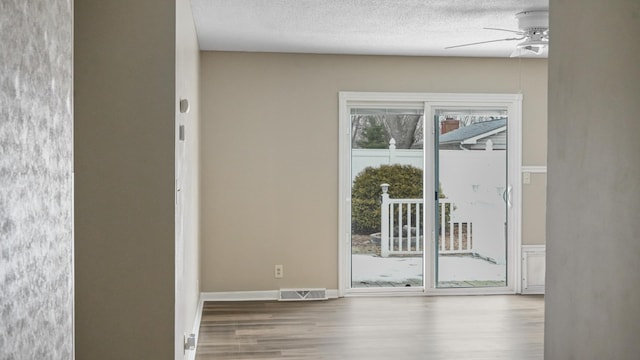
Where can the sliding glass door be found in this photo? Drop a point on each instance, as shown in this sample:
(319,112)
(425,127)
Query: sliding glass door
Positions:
(471,211)
(428,184)
(387,230)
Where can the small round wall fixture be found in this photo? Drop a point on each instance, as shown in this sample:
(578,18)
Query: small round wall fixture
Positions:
(184,106)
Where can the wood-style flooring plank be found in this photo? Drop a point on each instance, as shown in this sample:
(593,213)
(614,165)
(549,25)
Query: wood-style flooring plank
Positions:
(398,328)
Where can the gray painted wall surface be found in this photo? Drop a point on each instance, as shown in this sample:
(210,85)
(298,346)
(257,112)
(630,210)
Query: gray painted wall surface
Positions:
(124,131)
(593,228)
(35,180)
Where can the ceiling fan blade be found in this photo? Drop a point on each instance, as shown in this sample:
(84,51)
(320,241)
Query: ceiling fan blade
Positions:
(512,31)
(483,42)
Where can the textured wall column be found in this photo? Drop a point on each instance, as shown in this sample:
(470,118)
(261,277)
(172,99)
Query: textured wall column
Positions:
(35,180)
(593,233)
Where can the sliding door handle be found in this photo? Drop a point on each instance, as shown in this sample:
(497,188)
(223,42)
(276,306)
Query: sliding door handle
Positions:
(506,196)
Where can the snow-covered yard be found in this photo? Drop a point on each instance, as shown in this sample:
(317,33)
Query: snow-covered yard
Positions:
(372,269)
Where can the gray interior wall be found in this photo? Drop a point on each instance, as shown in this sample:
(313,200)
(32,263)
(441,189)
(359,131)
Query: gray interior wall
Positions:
(593,227)
(125,165)
(35,180)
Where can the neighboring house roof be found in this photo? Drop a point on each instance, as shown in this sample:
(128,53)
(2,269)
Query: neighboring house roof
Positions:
(471,133)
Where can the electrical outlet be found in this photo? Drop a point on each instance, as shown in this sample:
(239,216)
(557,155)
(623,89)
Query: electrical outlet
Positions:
(279,271)
(526,178)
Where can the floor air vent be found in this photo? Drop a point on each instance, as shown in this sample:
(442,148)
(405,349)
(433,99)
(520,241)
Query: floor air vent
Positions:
(302,294)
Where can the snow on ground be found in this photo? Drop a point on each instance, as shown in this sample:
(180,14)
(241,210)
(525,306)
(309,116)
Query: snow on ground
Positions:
(372,268)
(451,268)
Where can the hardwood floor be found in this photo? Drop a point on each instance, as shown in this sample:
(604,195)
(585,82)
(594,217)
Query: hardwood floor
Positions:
(398,328)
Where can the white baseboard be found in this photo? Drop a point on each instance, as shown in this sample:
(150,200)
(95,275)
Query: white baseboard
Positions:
(265,295)
(533,269)
(240,295)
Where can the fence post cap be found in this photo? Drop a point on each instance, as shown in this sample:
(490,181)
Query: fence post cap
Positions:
(385,188)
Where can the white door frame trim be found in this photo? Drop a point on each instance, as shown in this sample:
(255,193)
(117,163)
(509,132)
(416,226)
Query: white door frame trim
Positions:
(431,102)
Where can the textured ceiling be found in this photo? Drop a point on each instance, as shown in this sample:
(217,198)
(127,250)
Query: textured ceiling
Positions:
(372,27)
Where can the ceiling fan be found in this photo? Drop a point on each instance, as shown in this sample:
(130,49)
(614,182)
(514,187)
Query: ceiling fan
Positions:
(533,28)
